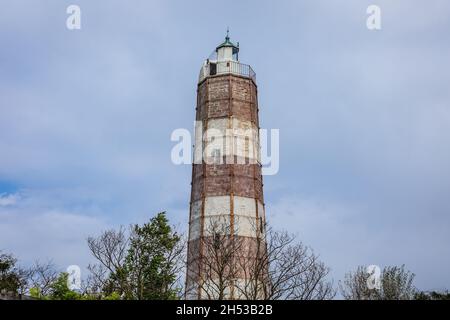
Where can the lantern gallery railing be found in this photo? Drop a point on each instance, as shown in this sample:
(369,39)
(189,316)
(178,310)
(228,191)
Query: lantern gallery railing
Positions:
(212,68)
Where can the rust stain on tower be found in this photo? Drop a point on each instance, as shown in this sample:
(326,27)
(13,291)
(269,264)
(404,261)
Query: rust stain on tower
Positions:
(227,204)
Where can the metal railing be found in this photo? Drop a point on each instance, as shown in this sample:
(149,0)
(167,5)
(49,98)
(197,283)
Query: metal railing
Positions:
(212,68)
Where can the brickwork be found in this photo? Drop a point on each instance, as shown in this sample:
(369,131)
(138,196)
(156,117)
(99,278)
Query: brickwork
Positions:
(222,179)
(224,191)
(216,100)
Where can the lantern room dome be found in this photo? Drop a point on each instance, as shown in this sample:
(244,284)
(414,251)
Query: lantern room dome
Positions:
(227,50)
(228,44)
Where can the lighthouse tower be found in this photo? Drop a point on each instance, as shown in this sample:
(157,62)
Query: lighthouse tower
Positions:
(227,205)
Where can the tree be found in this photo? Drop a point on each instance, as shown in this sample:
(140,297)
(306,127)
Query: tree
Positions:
(396,283)
(270,266)
(151,262)
(143,264)
(59,289)
(40,278)
(294,271)
(108,276)
(433,295)
(10,274)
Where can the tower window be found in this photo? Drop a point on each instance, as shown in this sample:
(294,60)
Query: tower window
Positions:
(212,69)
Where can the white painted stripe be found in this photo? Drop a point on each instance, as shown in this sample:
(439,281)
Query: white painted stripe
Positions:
(241,139)
(217,215)
(217,205)
(244,206)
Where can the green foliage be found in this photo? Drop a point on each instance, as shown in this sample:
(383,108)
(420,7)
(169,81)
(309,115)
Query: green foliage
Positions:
(112,296)
(397,283)
(433,295)
(143,265)
(9,274)
(35,293)
(148,263)
(60,289)
(118,283)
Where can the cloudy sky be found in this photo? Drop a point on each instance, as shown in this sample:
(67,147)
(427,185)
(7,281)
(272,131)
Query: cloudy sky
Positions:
(364,119)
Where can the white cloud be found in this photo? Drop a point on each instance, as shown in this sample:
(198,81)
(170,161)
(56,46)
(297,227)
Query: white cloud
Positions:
(35,228)
(8,199)
(350,233)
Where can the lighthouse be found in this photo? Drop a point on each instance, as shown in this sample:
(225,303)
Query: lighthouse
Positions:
(226,205)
